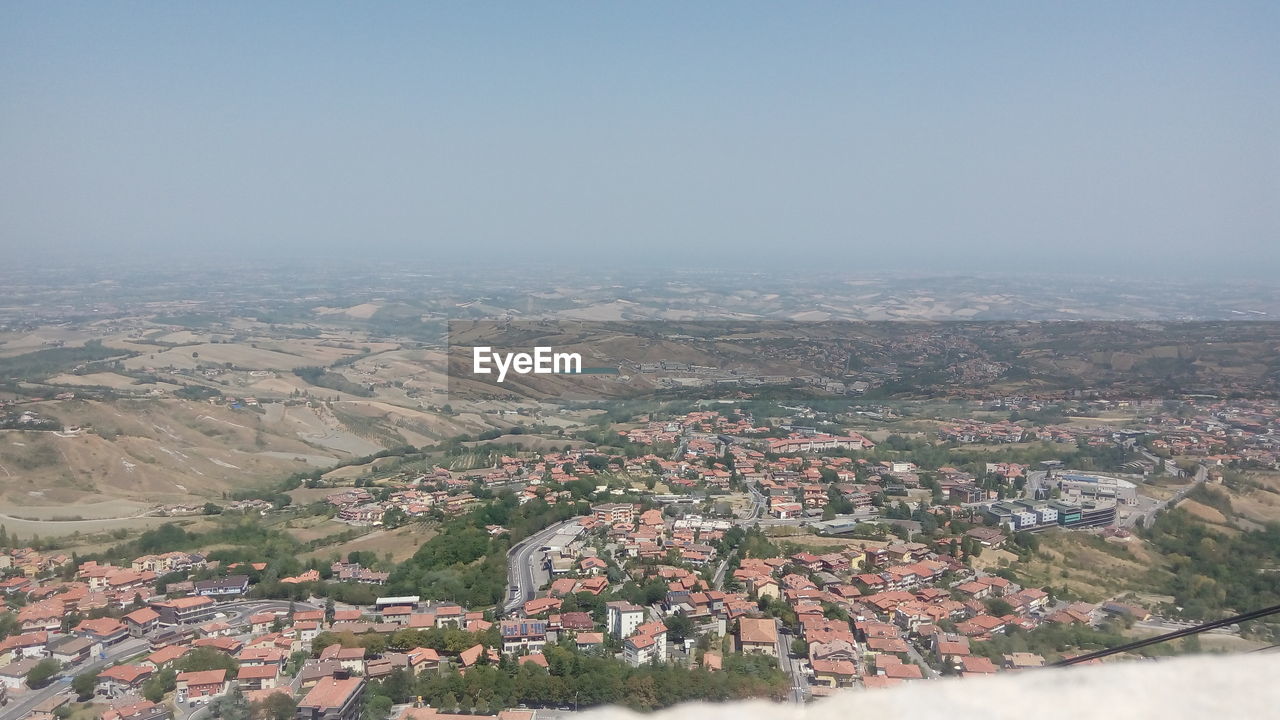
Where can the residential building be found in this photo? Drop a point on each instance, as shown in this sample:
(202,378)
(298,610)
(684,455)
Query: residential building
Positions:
(181,611)
(200,686)
(229,586)
(758,635)
(332,698)
(623,618)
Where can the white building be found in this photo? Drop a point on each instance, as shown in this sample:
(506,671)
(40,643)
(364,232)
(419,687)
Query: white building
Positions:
(623,618)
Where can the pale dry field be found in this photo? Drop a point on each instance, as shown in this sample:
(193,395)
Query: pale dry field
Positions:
(401,543)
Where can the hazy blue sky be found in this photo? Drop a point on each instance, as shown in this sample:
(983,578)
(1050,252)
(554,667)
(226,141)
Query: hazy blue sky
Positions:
(963,136)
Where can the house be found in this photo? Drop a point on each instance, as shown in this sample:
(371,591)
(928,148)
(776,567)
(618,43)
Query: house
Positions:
(834,673)
(48,709)
(976,665)
(121,679)
(140,710)
(588,640)
(332,698)
(26,645)
(1023,660)
(758,635)
(228,586)
(72,650)
(258,677)
(165,655)
(831,646)
(351,659)
(420,659)
(523,634)
(260,623)
(14,675)
(313,671)
(539,606)
(107,631)
(200,686)
(951,649)
(141,621)
(576,621)
(901,671)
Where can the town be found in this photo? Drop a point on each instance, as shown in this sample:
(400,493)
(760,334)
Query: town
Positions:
(715,556)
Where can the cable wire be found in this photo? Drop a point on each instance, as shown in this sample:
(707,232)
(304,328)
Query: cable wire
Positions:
(1185,632)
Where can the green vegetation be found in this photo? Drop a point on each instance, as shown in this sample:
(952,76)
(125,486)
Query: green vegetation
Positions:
(579,679)
(1214,573)
(463,563)
(43,672)
(1049,640)
(42,364)
(325,378)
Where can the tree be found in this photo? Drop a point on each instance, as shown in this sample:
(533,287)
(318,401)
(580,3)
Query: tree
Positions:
(43,672)
(999,607)
(276,706)
(206,658)
(231,706)
(393,518)
(84,685)
(376,707)
(448,703)
(159,684)
(679,627)
(799,647)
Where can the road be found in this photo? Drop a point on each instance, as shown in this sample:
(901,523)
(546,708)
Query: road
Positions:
(759,503)
(525,571)
(915,656)
(717,581)
(1147,514)
(793,667)
(20,705)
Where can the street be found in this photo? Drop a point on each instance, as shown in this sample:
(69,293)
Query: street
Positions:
(525,571)
(793,667)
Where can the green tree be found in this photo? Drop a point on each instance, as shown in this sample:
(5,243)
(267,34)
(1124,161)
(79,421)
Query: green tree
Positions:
(84,684)
(679,627)
(230,706)
(998,607)
(162,682)
(43,672)
(276,706)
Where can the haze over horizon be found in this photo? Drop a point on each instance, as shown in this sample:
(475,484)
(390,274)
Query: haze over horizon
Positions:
(1085,138)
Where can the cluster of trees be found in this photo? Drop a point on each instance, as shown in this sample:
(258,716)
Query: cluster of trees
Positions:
(1213,573)
(578,679)
(445,640)
(325,378)
(1049,640)
(51,361)
(235,706)
(464,564)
